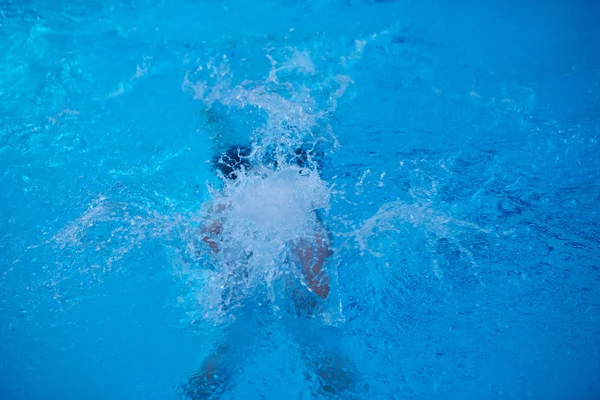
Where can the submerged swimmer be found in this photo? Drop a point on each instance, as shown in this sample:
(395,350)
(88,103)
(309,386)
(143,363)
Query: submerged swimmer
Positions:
(269,217)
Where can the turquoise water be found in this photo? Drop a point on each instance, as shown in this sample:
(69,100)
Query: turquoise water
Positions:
(459,186)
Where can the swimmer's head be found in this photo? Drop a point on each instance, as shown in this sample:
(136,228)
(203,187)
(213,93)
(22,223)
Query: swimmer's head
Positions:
(237,159)
(233,161)
(308,158)
(304,157)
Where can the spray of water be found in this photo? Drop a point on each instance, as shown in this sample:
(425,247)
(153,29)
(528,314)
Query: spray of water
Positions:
(259,217)
(277,201)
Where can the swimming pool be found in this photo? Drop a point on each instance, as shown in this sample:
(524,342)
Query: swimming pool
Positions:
(461,165)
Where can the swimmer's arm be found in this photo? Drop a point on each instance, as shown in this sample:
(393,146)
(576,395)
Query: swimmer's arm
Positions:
(312,255)
(210,231)
(215,228)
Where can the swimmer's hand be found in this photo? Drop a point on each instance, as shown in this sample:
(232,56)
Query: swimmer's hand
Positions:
(312,255)
(214,246)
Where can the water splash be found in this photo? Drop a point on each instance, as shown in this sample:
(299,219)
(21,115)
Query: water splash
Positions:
(270,206)
(295,102)
(259,217)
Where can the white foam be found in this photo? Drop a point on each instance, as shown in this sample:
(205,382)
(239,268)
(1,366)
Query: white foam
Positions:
(262,215)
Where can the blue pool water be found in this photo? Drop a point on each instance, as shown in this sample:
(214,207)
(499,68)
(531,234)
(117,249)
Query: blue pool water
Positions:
(459,184)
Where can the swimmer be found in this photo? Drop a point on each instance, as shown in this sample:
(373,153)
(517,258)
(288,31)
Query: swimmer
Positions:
(309,249)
